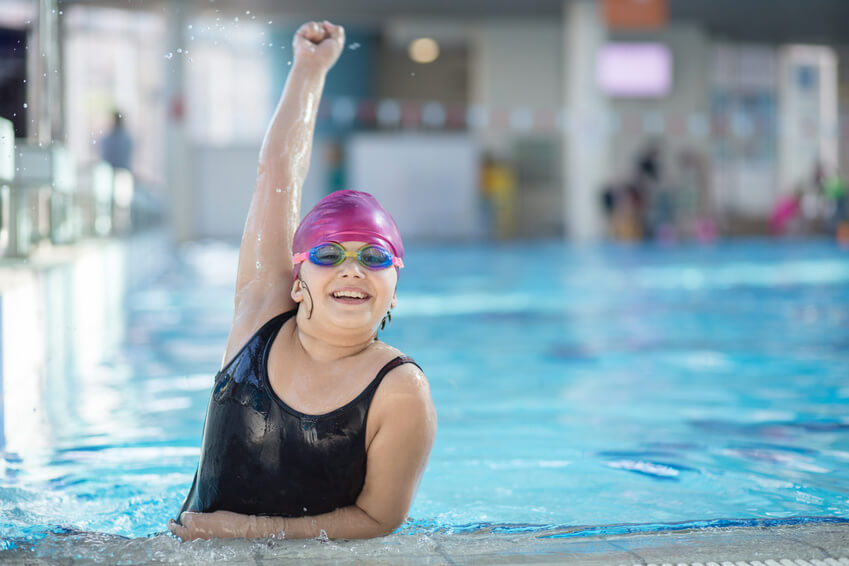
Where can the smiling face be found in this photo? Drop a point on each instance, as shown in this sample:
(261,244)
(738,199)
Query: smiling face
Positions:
(347,296)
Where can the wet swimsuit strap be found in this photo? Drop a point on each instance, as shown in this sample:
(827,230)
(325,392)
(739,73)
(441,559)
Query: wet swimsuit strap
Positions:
(387,367)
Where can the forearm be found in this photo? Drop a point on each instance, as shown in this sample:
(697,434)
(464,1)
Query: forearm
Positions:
(283,165)
(265,255)
(347,522)
(286,148)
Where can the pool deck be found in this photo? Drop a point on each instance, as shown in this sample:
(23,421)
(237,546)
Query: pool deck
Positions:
(817,544)
(801,545)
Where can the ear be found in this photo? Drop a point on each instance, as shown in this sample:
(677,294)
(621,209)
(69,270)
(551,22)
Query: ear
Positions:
(297,292)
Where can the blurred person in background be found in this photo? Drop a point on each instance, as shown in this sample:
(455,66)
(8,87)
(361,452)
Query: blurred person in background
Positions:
(314,427)
(815,206)
(498,185)
(646,185)
(117,147)
(837,193)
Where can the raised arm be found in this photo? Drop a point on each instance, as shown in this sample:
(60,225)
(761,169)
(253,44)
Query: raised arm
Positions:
(264,276)
(396,458)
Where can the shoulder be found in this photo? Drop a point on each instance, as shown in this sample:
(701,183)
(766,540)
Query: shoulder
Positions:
(406,377)
(404,394)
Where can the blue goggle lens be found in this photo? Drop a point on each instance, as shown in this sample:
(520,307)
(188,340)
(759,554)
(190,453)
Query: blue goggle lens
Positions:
(369,256)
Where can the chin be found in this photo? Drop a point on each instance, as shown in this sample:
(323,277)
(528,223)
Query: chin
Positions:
(354,320)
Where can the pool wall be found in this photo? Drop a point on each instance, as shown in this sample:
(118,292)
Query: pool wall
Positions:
(62,310)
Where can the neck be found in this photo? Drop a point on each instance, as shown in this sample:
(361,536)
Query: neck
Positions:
(333,345)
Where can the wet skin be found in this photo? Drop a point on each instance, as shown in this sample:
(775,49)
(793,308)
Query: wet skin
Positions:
(328,353)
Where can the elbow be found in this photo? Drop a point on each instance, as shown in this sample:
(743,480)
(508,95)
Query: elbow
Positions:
(382,526)
(388,527)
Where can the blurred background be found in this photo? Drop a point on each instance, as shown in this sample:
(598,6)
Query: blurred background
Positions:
(623,119)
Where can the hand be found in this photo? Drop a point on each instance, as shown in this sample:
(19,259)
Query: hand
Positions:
(319,43)
(220,524)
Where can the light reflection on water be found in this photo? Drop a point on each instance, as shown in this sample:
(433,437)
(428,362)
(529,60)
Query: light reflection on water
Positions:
(574,387)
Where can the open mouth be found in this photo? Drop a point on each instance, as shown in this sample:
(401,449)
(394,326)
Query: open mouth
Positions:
(350,296)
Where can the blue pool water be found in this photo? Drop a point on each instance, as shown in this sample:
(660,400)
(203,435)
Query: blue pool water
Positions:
(578,390)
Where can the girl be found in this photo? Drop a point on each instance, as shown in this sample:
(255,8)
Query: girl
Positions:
(313,424)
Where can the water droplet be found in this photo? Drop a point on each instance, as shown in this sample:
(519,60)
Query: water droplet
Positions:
(258,265)
(289,63)
(61,12)
(25,105)
(236,19)
(169,55)
(93,142)
(189,26)
(354,46)
(248,12)
(179,50)
(259,237)
(269,21)
(278,190)
(412,74)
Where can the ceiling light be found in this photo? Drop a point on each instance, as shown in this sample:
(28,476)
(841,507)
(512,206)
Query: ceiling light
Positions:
(424,50)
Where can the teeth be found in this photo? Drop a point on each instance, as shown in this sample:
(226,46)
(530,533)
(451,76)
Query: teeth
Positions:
(349,294)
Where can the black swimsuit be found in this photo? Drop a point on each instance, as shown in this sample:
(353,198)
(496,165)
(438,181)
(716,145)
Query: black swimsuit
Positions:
(261,457)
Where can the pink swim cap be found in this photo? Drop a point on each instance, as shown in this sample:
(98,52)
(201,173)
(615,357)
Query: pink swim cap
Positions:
(347,216)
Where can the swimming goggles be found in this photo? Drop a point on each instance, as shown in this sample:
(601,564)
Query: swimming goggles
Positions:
(331,253)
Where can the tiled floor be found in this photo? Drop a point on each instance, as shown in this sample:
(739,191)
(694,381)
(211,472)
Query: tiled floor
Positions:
(818,544)
(799,544)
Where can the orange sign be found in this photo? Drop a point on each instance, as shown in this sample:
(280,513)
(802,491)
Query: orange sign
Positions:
(635,14)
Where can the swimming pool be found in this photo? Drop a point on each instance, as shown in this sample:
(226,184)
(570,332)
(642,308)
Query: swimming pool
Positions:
(579,390)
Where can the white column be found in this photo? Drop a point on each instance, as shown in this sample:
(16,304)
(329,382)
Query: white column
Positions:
(44,75)
(586,147)
(178,156)
(807,113)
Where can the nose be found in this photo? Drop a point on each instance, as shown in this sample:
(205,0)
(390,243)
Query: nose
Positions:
(351,267)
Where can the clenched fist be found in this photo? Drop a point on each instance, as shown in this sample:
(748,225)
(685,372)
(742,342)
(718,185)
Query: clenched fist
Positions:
(318,43)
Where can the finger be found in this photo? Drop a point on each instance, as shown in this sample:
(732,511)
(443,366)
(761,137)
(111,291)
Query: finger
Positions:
(178,530)
(312,31)
(333,31)
(196,525)
(188,520)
